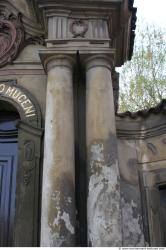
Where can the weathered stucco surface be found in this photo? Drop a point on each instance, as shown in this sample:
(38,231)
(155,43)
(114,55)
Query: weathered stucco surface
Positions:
(133,235)
(58,197)
(141,149)
(132,224)
(103,203)
(103,199)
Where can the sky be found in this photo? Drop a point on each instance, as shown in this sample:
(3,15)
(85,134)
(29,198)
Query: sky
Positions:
(152,11)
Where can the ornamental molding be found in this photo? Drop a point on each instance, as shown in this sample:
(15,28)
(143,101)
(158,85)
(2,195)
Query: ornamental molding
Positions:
(11,37)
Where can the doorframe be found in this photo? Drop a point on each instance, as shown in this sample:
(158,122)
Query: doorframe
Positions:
(150,181)
(26,226)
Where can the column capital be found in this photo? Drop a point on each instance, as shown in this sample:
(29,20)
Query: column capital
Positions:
(98,60)
(51,59)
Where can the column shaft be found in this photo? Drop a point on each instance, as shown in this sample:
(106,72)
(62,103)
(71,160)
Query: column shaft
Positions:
(103,202)
(58,194)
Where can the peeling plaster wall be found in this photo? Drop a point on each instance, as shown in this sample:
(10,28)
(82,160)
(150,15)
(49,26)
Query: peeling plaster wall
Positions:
(130,195)
(103,198)
(141,150)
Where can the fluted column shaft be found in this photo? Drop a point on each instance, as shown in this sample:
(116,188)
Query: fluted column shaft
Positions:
(58,189)
(103,201)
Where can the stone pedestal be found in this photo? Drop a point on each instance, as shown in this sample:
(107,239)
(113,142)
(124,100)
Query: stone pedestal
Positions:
(58,193)
(103,202)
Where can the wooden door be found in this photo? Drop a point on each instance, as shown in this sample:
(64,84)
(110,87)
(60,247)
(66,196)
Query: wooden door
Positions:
(8,167)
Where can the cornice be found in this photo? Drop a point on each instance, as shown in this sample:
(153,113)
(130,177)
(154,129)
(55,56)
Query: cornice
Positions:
(158,109)
(143,123)
(141,134)
(79,4)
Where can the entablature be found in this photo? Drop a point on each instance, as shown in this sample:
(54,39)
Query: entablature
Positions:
(89,23)
(79,25)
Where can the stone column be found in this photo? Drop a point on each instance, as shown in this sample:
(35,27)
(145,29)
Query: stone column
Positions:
(103,202)
(58,193)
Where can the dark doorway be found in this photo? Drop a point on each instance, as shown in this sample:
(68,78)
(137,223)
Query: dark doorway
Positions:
(162,191)
(8,167)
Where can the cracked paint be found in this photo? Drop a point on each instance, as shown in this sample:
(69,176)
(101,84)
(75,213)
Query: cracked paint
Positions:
(65,217)
(52,238)
(103,200)
(133,235)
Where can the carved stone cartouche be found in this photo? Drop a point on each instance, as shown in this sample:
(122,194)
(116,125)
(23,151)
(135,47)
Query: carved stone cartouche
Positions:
(11,37)
(78,28)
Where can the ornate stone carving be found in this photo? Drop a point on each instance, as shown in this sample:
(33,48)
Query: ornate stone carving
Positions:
(28,175)
(11,37)
(63,29)
(78,28)
(29,150)
(29,157)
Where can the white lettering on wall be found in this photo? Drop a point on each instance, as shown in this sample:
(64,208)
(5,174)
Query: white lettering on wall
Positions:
(2,88)
(18,96)
(9,91)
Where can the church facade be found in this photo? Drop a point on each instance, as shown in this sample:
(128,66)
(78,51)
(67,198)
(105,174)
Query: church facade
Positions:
(73,172)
